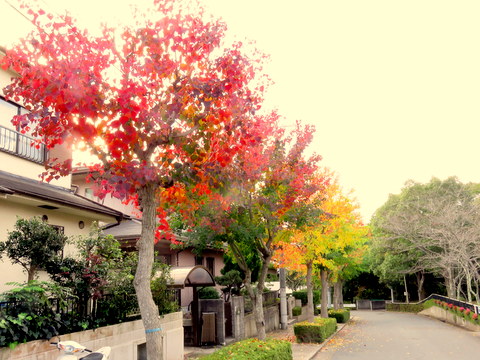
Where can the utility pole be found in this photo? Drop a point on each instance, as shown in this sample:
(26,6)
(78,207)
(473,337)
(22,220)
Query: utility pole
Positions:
(283,299)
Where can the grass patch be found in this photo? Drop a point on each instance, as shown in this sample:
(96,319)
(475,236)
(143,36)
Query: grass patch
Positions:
(254,349)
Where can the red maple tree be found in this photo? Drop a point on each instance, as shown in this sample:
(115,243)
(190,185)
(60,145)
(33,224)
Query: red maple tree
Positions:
(269,189)
(162,105)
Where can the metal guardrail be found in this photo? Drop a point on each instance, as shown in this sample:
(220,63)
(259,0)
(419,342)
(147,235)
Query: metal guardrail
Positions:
(21,145)
(473,307)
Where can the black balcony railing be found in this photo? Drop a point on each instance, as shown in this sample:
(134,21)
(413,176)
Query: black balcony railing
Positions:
(21,145)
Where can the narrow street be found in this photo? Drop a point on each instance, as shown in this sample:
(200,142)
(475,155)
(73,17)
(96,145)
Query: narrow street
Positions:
(384,335)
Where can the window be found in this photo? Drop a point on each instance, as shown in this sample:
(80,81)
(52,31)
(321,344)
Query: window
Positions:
(13,141)
(142,351)
(198,260)
(164,259)
(89,193)
(211,265)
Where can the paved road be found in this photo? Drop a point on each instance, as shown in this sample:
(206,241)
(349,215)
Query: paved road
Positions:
(373,335)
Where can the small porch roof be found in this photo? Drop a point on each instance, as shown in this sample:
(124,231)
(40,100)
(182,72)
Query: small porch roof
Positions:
(190,276)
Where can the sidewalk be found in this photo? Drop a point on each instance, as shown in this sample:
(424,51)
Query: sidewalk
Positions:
(300,351)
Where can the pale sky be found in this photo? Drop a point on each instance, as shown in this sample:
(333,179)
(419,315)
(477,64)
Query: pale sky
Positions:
(393,87)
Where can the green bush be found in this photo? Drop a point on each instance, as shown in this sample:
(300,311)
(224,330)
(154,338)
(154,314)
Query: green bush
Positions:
(302,295)
(329,324)
(342,315)
(315,332)
(297,311)
(411,308)
(33,316)
(254,349)
(208,293)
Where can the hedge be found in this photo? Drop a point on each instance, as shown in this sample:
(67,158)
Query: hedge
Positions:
(302,295)
(315,332)
(341,315)
(296,311)
(412,308)
(254,349)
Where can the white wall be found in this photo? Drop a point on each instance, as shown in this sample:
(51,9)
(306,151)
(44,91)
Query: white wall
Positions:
(110,201)
(122,338)
(10,211)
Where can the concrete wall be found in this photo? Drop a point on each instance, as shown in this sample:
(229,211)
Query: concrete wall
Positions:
(448,317)
(122,338)
(238,314)
(217,307)
(303,315)
(272,321)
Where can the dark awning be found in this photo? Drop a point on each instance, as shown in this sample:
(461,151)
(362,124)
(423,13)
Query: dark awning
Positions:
(191,276)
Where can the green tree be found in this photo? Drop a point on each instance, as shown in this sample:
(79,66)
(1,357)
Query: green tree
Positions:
(434,227)
(33,244)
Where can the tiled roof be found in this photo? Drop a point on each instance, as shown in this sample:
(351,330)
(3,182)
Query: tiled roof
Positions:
(14,184)
(129,229)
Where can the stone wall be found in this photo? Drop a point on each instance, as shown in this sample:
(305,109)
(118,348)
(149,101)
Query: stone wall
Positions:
(126,341)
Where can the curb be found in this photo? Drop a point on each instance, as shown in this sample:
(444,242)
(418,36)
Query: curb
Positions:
(340,328)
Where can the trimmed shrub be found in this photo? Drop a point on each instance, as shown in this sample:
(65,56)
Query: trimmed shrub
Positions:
(315,332)
(329,324)
(297,311)
(412,308)
(302,295)
(208,293)
(341,315)
(254,349)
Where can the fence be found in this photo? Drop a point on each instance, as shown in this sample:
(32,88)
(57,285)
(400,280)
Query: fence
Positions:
(24,146)
(474,308)
(87,313)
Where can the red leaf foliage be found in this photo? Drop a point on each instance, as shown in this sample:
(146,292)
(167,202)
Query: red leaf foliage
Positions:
(160,103)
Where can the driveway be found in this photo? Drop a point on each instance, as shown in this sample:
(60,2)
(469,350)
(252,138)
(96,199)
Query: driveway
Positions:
(373,335)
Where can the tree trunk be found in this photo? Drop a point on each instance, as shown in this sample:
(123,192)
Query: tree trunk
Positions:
(420,281)
(257,301)
(257,297)
(477,292)
(259,315)
(448,277)
(338,295)
(310,305)
(469,285)
(143,275)
(324,306)
(406,288)
(31,273)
